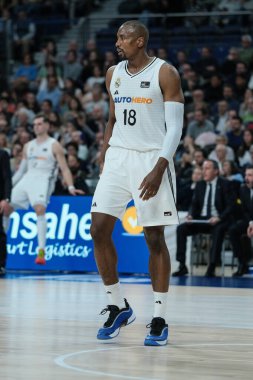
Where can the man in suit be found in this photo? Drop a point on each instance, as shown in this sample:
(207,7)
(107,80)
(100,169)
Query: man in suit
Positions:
(242,230)
(5,194)
(213,202)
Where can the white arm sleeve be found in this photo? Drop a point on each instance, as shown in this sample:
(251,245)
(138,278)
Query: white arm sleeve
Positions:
(20,172)
(174,118)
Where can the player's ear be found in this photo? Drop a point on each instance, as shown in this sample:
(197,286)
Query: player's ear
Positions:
(140,42)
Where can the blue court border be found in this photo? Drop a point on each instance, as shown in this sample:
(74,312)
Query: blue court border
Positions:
(218,282)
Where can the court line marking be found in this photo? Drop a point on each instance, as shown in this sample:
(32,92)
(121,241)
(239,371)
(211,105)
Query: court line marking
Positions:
(60,360)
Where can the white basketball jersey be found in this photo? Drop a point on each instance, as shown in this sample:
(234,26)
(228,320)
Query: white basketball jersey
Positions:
(139,108)
(41,159)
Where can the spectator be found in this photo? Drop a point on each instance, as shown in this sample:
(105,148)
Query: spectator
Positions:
(220,120)
(246,50)
(51,92)
(229,96)
(200,124)
(229,65)
(213,202)
(240,242)
(71,67)
(25,75)
(231,172)
(247,116)
(243,153)
(207,64)
(235,134)
(24,31)
(186,189)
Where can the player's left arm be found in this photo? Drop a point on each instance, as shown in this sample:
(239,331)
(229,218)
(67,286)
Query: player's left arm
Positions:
(173,98)
(60,157)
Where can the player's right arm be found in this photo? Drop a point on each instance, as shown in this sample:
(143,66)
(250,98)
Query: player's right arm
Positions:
(22,167)
(111,120)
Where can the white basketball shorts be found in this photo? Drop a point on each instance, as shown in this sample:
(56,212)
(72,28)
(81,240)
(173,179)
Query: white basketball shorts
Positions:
(33,190)
(123,172)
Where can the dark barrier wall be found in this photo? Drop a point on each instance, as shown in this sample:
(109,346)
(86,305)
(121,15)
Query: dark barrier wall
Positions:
(69,245)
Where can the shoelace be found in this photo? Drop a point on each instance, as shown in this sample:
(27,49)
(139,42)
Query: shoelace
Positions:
(114,310)
(156,326)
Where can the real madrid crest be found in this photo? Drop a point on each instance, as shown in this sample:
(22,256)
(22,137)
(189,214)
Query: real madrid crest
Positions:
(117,82)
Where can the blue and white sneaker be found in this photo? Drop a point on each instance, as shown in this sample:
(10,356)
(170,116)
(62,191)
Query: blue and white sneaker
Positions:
(158,335)
(117,319)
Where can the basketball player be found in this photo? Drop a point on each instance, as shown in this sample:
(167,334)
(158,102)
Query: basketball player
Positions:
(35,179)
(141,137)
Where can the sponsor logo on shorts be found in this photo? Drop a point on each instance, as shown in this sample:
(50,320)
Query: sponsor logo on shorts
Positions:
(116,92)
(133,99)
(145,84)
(129,222)
(94,204)
(167,213)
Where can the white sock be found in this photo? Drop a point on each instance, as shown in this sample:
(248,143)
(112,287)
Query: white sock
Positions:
(160,305)
(115,295)
(42,230)
(6,223)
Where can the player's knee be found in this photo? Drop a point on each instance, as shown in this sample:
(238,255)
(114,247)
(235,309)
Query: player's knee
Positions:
(97,231)
(40,210)
(155,238)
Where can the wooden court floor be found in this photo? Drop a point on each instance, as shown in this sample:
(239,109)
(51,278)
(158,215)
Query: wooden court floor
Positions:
(48,328)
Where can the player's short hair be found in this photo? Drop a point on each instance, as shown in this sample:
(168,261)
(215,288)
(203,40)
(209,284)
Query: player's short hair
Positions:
(139,29)
(43,116)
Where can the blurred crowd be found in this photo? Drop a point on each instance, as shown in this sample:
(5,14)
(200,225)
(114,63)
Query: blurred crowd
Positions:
(70,89)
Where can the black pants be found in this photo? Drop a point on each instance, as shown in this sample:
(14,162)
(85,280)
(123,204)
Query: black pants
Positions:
(3,242)
(240,242)
(217,232)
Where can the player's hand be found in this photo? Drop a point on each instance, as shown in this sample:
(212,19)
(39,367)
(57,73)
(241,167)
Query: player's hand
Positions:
(250,231)
(4,207)
(150,185)
(74,191)
(214,220)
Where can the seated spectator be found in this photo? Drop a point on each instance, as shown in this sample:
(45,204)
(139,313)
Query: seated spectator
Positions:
(186,188)
(229,96)
(235,133)
(247,117)
(51,92)
(207,64)
(240,242)
(71,67)
(213,202)
(25,75)
(16,157)
(24,31)
(244,104)
(96,77)
(48,53)
(243,153)
(199,157)
(47,107)
(220,154)
(77,138)
(199,125)
(46,70)
(79,177)
(4,143)
(31,102)
(231,172)
(246,50)
(196,102)
(220,120)
(93,98)
(213,89)
(229,65)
